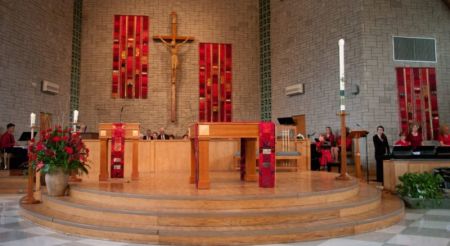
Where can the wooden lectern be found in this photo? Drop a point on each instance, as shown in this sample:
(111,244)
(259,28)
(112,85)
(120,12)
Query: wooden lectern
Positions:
(105,133)
(357,156)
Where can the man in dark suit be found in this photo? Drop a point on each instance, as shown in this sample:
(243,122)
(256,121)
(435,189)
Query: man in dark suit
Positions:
(162,135)
(148,136)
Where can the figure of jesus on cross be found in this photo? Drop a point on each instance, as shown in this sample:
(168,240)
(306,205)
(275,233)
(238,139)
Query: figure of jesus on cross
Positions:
(173,42)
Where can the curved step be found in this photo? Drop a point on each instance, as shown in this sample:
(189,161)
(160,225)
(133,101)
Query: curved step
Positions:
(211,202)
(389,212)
(367,199)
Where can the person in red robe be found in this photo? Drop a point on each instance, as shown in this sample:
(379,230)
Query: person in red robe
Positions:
(402,141)
(329,136)
(348,140)
(323,147)
(415,137)
(7,139)
(444,137)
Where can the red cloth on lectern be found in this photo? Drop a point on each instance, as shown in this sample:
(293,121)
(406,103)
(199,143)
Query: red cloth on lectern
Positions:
(117,150)
(266,154)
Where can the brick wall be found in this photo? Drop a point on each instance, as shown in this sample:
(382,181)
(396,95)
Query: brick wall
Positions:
(305,50)
(229,21)
(35,45)
(304,37)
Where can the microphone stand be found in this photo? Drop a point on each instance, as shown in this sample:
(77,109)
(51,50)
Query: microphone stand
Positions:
(120,119)
(367,160)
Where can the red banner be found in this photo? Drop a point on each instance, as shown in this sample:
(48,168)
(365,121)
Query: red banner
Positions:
(117,150)
(266,154)
(417,98)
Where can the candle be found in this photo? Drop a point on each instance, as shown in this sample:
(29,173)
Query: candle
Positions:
(75,116)
(32,119)
(341,73)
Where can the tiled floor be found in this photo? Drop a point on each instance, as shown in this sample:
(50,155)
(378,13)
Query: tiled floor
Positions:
(420,227)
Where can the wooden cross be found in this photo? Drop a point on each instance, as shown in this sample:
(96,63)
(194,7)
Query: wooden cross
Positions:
(173,42)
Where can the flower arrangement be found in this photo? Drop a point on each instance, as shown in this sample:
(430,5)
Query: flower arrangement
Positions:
(58,149)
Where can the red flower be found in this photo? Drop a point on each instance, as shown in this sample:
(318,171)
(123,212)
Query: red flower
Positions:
(65,138)
(68,150)
(39,146)
(56,139)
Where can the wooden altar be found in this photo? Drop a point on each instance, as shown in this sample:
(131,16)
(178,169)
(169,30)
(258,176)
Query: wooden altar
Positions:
(132,134)
(204,132)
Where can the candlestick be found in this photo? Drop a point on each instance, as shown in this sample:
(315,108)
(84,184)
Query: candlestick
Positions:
(32,119)
(75,116)
(341,74)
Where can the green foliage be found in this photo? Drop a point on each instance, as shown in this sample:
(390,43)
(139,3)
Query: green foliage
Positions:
(59,149)
(420,185)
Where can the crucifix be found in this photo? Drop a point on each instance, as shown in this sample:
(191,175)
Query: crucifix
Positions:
(173,42)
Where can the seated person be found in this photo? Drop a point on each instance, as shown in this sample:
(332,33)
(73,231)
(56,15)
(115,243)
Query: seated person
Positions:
(148,135)
(162,135)
(154,136)
(323,148)
(402,141)
(171,137)
(7,139)
(415,137)
(7,144)
(348,140)
(329,136)
(444,137)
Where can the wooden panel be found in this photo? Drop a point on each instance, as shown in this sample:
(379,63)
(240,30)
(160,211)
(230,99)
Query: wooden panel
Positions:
(146,157)
(221,154)
(392,169)
(229,130)
(45,120)
(300,124)
(172,156)
(93,159)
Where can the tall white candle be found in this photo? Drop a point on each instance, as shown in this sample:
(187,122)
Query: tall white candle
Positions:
(75,116)
(341,73)
(32,119)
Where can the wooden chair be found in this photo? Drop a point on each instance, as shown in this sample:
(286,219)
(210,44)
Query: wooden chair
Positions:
(287,154)
(291,154)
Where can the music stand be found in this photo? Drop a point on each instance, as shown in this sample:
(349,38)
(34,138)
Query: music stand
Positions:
(286,121)
(357,135)
(26,136)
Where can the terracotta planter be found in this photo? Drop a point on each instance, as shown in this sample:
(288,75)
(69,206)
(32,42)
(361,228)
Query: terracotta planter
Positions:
(56,183)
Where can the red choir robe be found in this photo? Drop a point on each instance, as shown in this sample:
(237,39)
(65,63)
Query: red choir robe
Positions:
(445,139)
(402,143)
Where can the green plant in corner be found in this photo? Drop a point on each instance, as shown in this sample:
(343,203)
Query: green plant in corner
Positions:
(424,186)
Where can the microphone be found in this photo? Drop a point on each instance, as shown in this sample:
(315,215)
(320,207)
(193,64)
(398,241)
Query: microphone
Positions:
(121,110)
(311,134)
(358,125)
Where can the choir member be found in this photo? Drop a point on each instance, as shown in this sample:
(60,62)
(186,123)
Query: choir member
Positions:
(414,137)
(329,136)
(323,147)
(381,149)
(444,137)
(402,141)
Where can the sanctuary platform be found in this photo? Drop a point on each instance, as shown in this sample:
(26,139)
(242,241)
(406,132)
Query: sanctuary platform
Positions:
(166,209)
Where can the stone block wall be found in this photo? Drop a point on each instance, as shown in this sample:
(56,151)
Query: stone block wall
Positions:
(35,45)
(228,21)
(304,50)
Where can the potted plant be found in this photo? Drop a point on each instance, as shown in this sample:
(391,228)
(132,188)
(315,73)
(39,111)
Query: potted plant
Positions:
(422,190)
(57,154)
